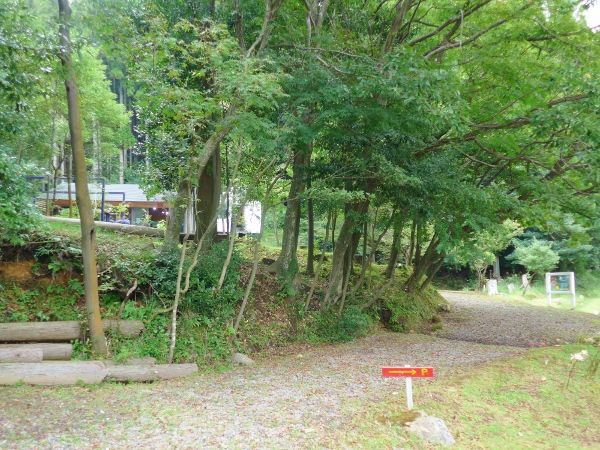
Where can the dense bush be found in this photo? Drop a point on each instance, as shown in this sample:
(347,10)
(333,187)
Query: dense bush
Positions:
(402,311)
(328,326)
(17,215)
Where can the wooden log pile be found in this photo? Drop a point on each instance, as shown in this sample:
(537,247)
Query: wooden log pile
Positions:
(47,362)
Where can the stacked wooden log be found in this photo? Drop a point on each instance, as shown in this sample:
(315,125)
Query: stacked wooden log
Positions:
(47,362)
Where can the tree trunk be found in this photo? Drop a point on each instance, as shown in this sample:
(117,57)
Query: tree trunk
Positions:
(333,224)
(177,215)
(310,262)
(122,164)
(411,248)
(422,264)
(196,165)
(68,175)
(343,244)
(88,232)
(238,21)
(208,194)
(497,268)
(287,263)
(320,265)
(395,251)
(432,272)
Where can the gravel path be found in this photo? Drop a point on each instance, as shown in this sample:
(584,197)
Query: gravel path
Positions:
(302,400)
(492,321)
(296,401)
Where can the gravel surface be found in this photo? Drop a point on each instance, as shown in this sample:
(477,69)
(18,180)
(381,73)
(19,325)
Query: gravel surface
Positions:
(295,401)
(492,321)
(300,400)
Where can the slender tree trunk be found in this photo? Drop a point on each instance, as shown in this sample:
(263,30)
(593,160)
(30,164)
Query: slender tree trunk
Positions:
(255,259)
(286,265)
(320,265)
(238,21)
(96,149)
(122,164)
(411,248)
(178,289)
(333,224)
(432,272)
(422,266)
(177,215)
(68,175)
(354,212)
(310,262)
(276,230)
(88,232)
(395,251)
(232,236)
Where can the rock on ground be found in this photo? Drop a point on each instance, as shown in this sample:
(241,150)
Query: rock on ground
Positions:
(240,358)
(432,429)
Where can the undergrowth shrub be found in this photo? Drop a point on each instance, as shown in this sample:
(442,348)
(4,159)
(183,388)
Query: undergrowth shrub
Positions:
(18,217)
(402,311)
(329,326)
(204,324)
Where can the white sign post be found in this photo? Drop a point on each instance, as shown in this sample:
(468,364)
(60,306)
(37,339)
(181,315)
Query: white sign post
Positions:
(561,283)
(409,396)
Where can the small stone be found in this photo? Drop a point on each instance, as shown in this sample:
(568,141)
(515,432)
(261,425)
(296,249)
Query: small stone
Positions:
(432,429)
(240,358)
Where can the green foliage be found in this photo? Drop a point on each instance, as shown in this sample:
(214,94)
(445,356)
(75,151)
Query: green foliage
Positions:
(536,256)
(17,216)
(41,304)
(154,341)
(406,312)
(329,326)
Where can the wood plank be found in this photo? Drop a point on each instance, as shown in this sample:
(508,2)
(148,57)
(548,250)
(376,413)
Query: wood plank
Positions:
(53,373)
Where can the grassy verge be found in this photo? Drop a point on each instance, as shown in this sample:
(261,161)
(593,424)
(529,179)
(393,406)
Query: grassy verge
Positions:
(521,403)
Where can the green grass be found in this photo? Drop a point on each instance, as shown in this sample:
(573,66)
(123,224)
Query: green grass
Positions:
(73,231)
(521,403)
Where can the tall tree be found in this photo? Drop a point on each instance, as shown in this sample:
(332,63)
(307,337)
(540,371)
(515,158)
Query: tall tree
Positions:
(88,231)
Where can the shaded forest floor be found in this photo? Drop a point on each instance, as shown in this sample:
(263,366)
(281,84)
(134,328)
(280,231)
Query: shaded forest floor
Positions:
(334,397)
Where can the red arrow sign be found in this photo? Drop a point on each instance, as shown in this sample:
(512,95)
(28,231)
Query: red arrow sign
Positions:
(412,372)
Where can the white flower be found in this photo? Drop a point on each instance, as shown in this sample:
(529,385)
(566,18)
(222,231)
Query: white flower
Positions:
(581,356)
